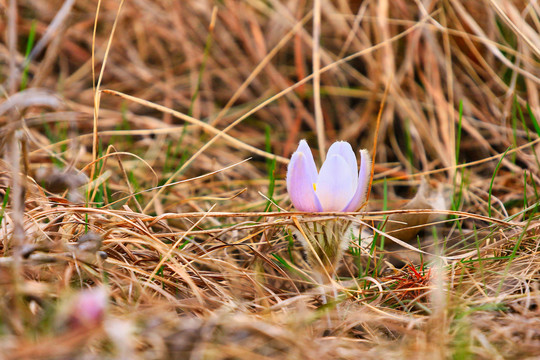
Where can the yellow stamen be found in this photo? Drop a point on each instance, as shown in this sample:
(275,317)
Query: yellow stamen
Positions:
(314,187)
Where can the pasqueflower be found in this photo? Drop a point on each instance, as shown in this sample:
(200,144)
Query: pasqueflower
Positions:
(339,186)
(88,308)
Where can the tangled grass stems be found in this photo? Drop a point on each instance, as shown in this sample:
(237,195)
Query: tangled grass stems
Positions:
(197,263)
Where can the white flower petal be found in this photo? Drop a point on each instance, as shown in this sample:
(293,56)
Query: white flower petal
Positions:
(335,185)
(363,182)
(311,168)
(344,149)
(300,184)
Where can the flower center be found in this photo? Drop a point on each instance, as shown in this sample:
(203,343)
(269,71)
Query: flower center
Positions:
(314,187)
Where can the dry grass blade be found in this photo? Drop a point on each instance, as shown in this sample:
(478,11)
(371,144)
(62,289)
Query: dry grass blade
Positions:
(143,204)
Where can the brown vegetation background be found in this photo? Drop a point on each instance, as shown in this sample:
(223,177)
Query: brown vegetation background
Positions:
(124,130)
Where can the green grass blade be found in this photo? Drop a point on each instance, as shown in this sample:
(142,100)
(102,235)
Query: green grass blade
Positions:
(458,135)
(29,46)
(533,119)
(4,204)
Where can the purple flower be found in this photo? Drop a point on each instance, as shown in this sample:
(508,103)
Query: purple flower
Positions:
(337,187)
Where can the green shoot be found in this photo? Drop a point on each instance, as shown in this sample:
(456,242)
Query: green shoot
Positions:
(29,46)
(458,135)
(271,167)
(4,204)
(533,119)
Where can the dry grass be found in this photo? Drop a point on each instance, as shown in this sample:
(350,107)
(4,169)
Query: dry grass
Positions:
(125,172)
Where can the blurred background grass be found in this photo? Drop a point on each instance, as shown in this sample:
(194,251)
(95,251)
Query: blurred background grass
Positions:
(86,207)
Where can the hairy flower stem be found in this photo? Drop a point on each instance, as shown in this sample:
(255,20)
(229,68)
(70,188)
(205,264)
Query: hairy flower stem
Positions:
(324,242)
